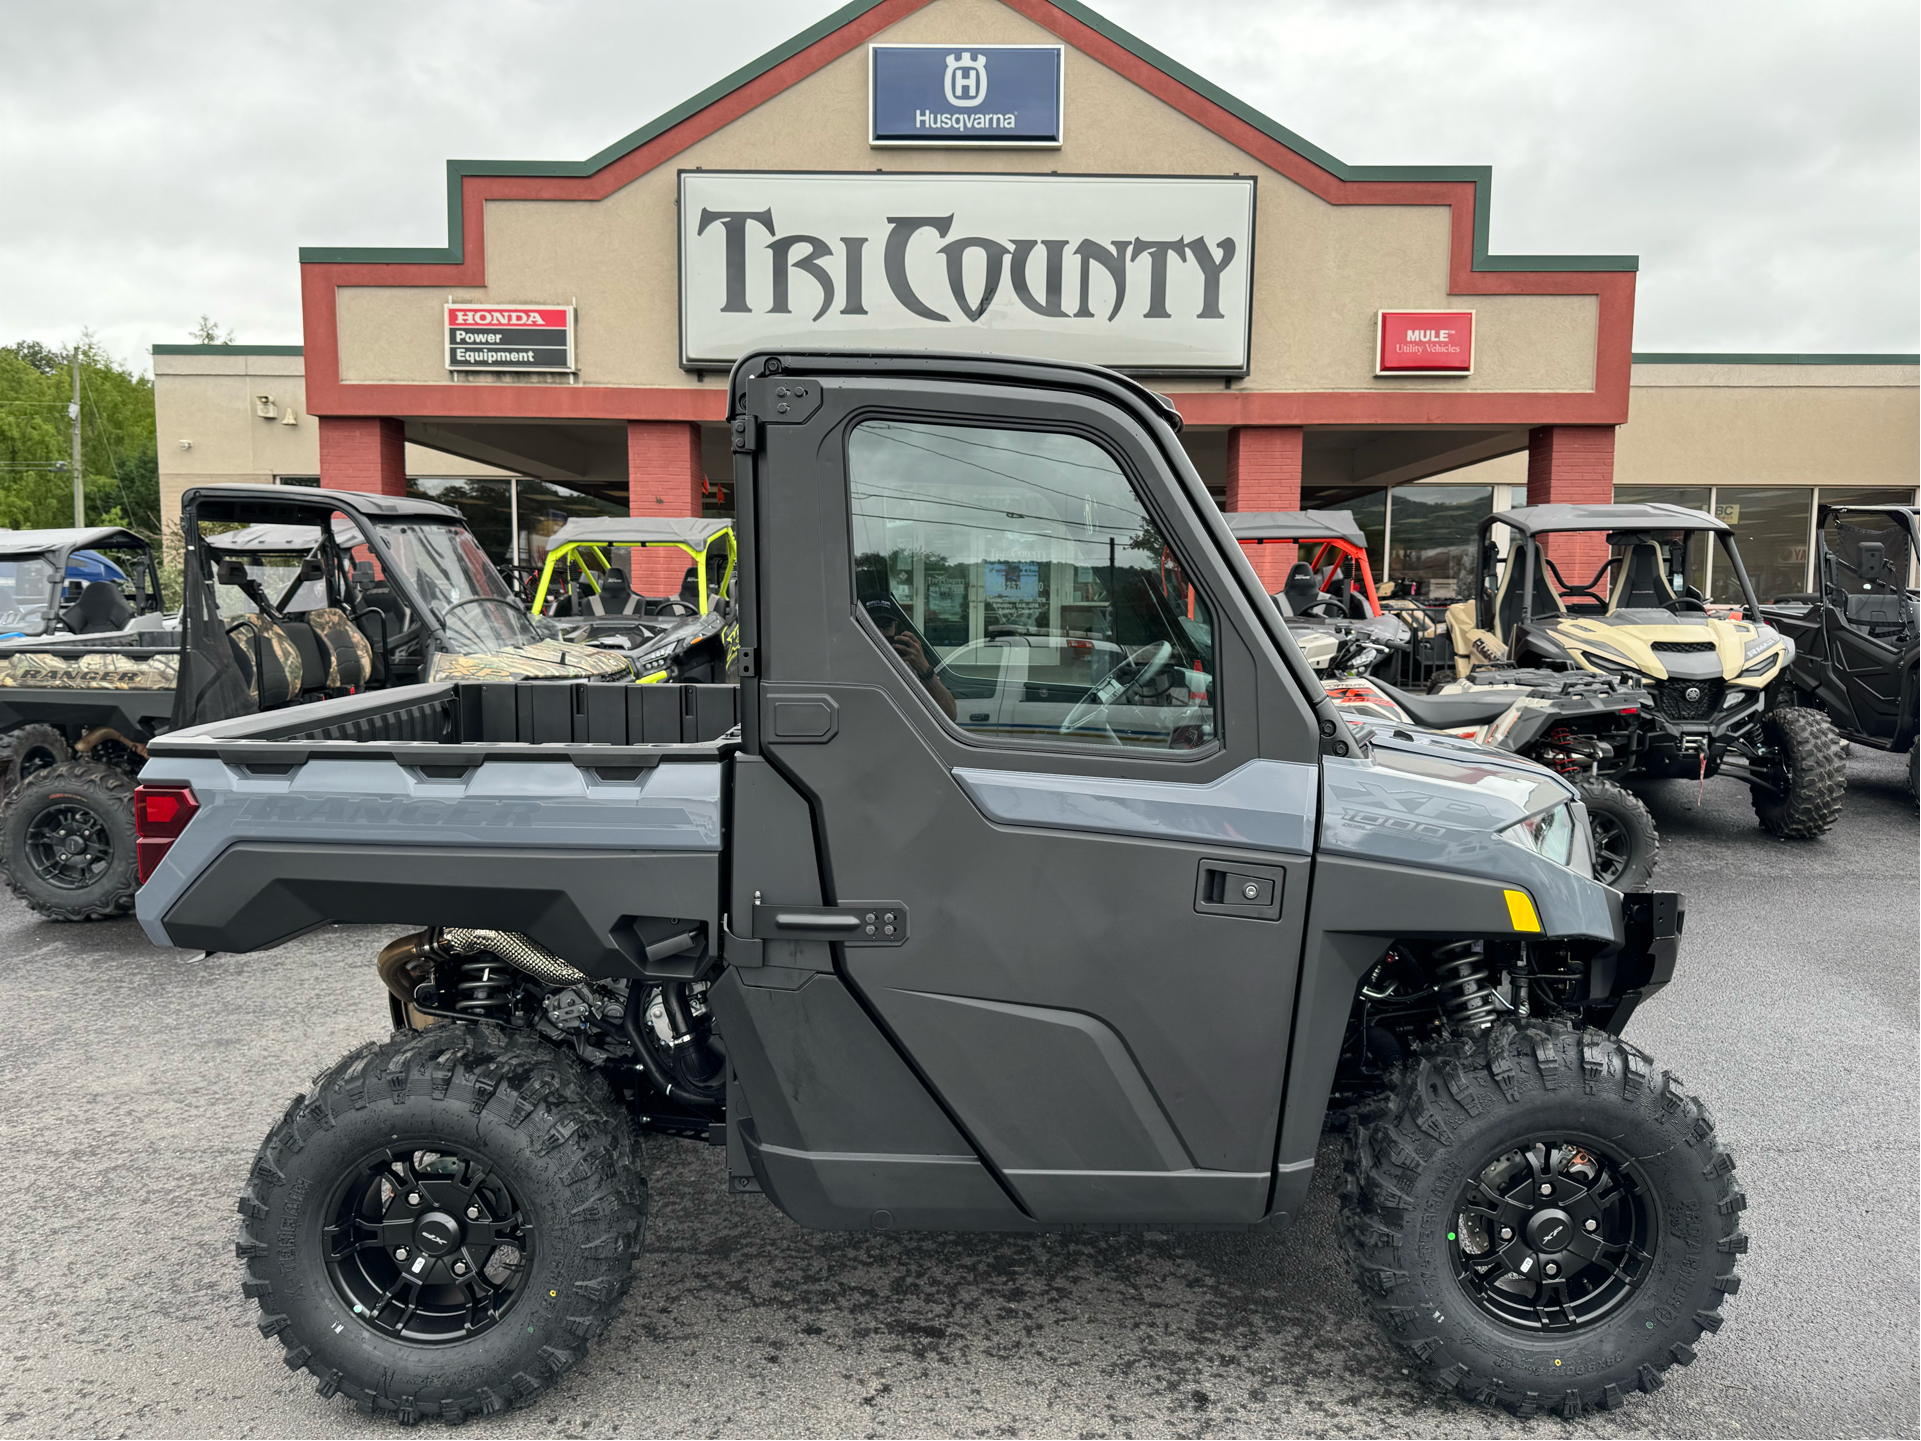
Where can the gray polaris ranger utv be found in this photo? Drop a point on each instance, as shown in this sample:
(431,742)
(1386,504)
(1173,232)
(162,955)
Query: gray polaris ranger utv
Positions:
(920,963)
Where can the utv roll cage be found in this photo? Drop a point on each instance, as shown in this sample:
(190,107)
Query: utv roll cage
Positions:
(1326,530)
(591,537)
(58,547)
(1624,524)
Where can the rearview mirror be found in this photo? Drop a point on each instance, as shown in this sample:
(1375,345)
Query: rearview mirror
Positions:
(312,569)
(231,572)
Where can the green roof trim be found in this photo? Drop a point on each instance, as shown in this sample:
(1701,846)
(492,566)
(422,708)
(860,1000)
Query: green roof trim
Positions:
(229,349)
(1481,177)
(1689,357)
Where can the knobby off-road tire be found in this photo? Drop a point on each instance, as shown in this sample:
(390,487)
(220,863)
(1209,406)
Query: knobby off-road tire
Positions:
(1817,774)
(1914,774)
(490,1131)
(1627,843)
(67,842)
(1456,1111)
(30,749)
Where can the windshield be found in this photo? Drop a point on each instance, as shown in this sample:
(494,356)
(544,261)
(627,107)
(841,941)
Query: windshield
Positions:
(446,567)
(26,586)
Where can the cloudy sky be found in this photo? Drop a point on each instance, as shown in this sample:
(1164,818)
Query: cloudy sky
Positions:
(160,161)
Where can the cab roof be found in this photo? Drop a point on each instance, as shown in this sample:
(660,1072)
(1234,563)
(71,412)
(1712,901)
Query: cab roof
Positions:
(17,543)
(638,530)
(1296,525)
(1638,515)
(295,504)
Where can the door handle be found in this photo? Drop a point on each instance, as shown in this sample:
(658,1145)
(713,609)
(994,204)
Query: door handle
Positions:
(1235,888)
(855,923)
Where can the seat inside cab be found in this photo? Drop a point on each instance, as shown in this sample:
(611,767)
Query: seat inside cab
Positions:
(1643,582)
(1507,600)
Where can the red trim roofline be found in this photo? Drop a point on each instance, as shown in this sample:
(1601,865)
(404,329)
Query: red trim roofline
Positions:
(1462,189)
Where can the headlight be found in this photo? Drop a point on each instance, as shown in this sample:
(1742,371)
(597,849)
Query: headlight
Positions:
(1608,665)
(1764,663)
(1550,834)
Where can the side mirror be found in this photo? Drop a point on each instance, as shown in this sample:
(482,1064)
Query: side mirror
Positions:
(1874,561)
(231,572)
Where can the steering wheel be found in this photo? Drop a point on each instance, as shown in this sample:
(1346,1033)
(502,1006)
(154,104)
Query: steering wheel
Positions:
(1685,605)
(1330,606)
(1130,674)
(677,606)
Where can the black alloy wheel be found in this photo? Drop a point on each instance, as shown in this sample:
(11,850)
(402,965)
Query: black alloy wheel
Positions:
(427,1246)
(1622,834)
(1554,1234)
(67,842)
(68,846)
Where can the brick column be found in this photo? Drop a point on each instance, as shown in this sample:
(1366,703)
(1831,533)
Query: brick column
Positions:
(362,452)
(1264,473)
(1572,465)
(663,479)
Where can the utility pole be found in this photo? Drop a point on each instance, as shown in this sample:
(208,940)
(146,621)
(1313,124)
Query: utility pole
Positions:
(73,414)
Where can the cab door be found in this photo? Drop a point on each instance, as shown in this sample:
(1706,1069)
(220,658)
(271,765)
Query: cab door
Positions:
(1096,916)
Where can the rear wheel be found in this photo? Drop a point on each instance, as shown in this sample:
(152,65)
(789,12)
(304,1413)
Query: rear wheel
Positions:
(1810,774)
(31,749)
(441,1226)
(67,840)
(1542,1220)
(1627,843)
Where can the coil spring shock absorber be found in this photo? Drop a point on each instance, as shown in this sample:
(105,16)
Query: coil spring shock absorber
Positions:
(1461,979)
(482,990)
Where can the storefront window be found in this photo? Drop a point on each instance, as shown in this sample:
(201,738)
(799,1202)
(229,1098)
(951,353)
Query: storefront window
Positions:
(1431,538)
(488,508)
(1370,513)
(1770,525)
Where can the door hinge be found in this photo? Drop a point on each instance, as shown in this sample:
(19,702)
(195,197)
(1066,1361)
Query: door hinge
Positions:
(749,661)
(746,433)
(856,923)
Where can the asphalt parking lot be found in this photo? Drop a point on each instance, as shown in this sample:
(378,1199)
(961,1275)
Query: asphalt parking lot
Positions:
(135,1085)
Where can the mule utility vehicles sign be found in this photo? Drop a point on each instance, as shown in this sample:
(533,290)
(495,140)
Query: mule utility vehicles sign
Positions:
(969,923)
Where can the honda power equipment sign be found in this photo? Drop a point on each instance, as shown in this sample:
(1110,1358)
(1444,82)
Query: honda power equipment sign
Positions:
(1425,342)
(1144,273)
(964,94)
(510,337)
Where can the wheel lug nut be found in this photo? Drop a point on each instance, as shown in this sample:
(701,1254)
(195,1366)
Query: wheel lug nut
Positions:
(1547,1188)
(413,1198)
(1552,1269)
(460,1268)
(1590,1224)
(473,1213)
(400,1253)
(1507,1233)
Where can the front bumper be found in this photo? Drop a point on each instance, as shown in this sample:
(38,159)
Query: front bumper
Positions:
(1627,973)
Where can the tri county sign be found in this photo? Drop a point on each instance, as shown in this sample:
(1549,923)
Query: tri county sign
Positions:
(1149,273)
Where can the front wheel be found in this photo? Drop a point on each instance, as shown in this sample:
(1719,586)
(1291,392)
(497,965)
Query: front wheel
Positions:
(444,1222)
(1541,1219)
(67,840)
(1626,842)
(1810,775)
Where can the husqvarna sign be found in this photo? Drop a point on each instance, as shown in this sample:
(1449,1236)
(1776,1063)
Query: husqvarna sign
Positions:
(964,94)
(1142,272)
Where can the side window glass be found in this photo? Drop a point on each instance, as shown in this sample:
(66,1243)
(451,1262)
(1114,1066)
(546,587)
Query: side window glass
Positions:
(1019,577)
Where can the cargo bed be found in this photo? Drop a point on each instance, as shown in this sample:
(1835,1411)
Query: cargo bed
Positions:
(586,815)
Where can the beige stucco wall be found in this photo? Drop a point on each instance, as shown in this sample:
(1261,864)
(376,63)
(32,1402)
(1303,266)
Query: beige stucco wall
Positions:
(1321,271)
(209,401)
(1771,425)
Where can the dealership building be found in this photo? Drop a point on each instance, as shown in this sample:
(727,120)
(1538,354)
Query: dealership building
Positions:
(1019,177)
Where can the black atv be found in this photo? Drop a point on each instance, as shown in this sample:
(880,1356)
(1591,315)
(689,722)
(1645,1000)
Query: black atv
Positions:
(1855,639)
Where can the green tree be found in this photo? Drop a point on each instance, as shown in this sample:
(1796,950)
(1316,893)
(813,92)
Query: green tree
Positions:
(206,332)
(120,461)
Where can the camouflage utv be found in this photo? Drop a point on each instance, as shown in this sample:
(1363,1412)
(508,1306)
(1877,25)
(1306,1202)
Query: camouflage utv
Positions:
(291,596)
